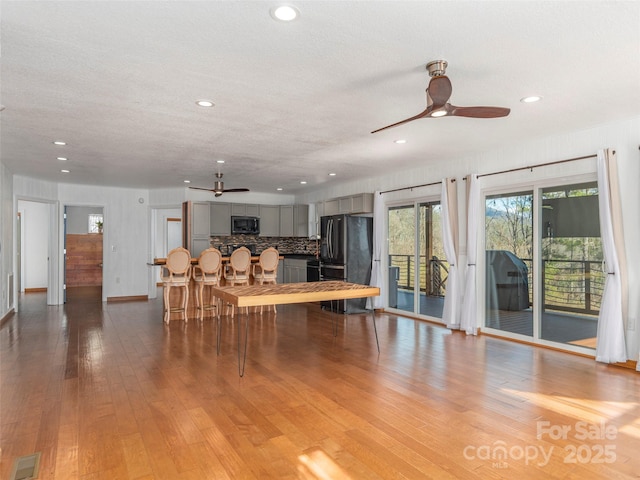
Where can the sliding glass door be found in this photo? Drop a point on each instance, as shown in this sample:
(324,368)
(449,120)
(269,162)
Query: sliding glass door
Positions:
(509,262)
(417,267)
(572,274)
(543,259)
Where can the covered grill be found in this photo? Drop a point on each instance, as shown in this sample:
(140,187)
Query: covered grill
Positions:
(507,281)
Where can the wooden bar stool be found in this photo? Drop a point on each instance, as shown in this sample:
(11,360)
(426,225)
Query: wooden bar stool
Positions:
(176,273)
(207,273)
(266,270)
(238,270)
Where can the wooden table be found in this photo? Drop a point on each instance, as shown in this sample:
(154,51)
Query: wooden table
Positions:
(287,293)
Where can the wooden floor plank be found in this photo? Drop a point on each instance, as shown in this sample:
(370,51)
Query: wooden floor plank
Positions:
(110,391)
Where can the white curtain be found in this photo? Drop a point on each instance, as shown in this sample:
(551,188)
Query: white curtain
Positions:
(468,315)
(377,267)
(449,220)
(611,346)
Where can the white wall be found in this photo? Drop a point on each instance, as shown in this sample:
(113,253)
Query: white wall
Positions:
(6,239)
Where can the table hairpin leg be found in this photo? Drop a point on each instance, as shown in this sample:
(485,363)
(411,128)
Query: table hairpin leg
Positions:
(375,329)
(334,312)
(218,324)
(241,364)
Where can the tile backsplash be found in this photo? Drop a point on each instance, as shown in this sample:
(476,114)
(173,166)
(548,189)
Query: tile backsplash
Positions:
(285,245)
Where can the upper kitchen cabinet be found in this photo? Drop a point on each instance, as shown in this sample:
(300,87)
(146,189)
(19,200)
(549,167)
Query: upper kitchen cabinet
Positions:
(220,219)
(245,210)
(269,220)
(286,221)
(331,207)
(301,221)
(360,203)
(197,218)
(200,219)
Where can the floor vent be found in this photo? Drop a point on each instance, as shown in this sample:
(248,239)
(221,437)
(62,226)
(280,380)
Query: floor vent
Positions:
(26,467)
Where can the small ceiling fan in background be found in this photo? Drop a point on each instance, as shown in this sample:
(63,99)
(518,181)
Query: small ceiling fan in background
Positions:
(218,187)
(438,94)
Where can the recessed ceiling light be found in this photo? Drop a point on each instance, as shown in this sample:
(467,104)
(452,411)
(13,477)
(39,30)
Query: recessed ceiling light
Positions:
(303,182)
(64,171)
(531,99)
(400,141)
(332,174)
(59,142)
(62,158)
(279,189)
(187,181)
(219,161)
(439,113)
(285,13)
(205,103)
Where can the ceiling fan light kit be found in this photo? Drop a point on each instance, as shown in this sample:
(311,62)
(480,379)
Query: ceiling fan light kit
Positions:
(438,95)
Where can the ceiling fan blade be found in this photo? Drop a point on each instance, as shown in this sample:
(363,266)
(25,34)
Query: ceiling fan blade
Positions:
(479,112)
(235,190)
(439,91)
(415,117)
(205,189)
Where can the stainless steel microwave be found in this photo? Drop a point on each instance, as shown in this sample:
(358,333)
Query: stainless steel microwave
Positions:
(245,225)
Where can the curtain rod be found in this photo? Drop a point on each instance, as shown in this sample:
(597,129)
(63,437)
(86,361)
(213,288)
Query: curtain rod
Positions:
(531,167)
(415,186)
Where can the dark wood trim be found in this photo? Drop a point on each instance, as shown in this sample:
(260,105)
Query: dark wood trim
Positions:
(131,298)
(35,290)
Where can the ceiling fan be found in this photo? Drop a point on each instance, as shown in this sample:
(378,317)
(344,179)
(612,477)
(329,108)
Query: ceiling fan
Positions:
(438,94)
(218,187)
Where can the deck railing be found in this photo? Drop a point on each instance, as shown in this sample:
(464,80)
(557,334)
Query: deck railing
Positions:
(569,285)
(433,274)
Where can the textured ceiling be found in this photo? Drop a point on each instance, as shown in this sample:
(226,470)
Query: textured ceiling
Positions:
(118,81)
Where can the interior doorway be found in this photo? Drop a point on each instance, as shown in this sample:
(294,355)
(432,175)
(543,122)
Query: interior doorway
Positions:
(33,236)
(174,233)
(83,238)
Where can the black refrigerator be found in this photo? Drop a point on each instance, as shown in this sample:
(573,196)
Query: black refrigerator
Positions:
(346,249)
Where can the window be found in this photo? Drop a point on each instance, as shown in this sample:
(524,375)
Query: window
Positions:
(95,223)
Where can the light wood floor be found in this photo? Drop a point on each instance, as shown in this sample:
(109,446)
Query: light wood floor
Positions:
(106,391)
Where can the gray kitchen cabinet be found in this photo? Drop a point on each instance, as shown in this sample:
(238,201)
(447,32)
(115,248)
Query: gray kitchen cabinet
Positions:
(286,221)
(269,220)
(200,218)
(199,245)
(331,207)
(360,203)
(295,270)
(245,210)
(280,276)
(220,219)
(301,221)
